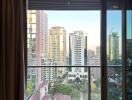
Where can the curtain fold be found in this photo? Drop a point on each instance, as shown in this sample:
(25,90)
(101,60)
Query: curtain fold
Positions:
(12,63)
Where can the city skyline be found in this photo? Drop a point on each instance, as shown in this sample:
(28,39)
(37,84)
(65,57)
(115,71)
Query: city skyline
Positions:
(114,24)
(47,47)
(86,21)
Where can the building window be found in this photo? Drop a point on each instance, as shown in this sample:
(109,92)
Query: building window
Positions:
(64,49)
(62,52)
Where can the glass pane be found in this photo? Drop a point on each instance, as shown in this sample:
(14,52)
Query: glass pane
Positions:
(129,37)
(114,85)
(129,52)
(63,38)
(114,36)
(114,55)
(95,75)
(57,83)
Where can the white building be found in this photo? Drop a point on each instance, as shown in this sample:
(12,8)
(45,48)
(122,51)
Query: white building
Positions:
(43,89)
(80,72)
(48,72)
(77,55)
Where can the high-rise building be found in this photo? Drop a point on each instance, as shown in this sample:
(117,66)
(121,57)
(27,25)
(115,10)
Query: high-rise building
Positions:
(77,48)
(77,55)
(48,73)
(41,41)
(31,36)
(31,46)
(129,50)
(37,33)
(97,51)
(90,54)
(57,48)
(114,47)
(94,61)
(41,35)
(94,57)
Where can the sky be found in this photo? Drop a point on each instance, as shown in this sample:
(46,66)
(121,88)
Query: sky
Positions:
(129,24)
(114,24)
(114,21)
(86,21)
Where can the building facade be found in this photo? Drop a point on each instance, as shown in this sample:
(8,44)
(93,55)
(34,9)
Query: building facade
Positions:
(37,33)
(77,55)
(57,48)
(31,46)
(48,73)
(114,47)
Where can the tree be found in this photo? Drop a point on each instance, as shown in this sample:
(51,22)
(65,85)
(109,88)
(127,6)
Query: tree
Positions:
(93,86)
(29,87)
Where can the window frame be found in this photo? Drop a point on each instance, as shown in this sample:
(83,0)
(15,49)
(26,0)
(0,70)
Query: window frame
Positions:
(103,56)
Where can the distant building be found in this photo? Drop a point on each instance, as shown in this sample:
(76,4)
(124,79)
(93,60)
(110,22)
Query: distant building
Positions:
(57,45)
(114,47)
(46,97)
(97,51)
(77,55)
(41,92)
(43,88)
(37,36)
(77,72)
(41,36)
(48,72)
(57,48)
(31,46)
(60,96)
(129,49)
(90,54)
(94,61)
(37,31)
(78,48)
(41,41)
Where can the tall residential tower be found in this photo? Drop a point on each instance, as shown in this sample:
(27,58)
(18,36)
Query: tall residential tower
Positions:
(57,48)
(37,38)
(77,55)
(114,47)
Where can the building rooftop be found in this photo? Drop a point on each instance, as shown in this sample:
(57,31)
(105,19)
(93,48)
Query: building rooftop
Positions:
(43,84)
(60,96)
(46,97)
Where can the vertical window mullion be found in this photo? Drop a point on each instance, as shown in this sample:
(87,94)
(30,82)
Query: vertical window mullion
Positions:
(103,52)
(124,66)
(89,84)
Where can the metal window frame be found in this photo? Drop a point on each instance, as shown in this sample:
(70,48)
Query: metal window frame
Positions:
(124,47)
(103,52)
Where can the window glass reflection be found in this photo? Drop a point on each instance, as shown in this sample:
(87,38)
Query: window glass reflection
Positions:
(129,52)
(95,83)
(114,83)
(114,36)
(114,55)
(57,82)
